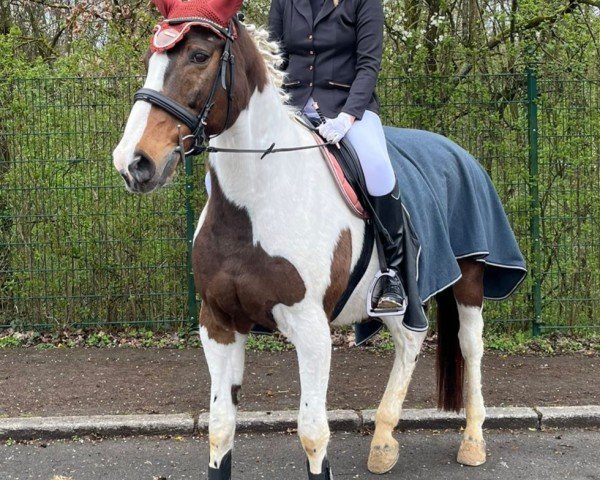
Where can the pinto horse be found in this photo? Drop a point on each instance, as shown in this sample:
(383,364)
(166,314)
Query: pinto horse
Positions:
(276,245)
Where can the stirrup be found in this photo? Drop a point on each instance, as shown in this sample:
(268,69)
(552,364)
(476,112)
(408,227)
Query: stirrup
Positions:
(372,302)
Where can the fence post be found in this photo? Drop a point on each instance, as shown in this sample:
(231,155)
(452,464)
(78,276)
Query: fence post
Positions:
(534,193)
(192,306)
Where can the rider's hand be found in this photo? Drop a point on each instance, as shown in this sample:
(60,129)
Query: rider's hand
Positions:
(334,129)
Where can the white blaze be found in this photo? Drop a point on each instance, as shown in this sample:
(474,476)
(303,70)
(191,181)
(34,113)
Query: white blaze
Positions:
(138,118)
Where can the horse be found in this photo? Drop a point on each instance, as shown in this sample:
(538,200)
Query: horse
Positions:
(276,244)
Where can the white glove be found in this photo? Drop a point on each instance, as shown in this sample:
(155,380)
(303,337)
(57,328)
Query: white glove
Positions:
(334,129)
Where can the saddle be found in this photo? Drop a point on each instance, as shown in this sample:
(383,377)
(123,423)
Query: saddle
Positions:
(346,170)
(344,166)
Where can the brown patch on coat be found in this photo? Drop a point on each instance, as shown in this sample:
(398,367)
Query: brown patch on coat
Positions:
(160,136)
(469,289)
(216,331)
(239,282)
(339,273)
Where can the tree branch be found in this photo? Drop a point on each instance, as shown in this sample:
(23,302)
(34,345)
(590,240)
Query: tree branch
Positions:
(592,3)
(43,3)
(533,23)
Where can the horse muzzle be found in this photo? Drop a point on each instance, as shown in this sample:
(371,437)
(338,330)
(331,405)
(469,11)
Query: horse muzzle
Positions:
(142,176)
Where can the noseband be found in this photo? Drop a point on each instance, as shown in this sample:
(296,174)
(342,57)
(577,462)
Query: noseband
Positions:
(197,124)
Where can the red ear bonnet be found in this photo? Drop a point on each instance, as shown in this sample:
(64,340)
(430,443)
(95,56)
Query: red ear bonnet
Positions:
(210,14)
(164,6)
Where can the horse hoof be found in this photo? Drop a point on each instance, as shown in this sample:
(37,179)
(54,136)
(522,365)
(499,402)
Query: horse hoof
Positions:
(382,458)
(471,452)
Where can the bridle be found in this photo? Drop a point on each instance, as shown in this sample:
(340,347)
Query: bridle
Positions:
(197,124)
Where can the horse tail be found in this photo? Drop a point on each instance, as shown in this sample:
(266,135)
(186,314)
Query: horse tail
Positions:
(450,364)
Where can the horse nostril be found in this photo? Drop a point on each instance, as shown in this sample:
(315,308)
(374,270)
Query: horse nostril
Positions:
(141,169)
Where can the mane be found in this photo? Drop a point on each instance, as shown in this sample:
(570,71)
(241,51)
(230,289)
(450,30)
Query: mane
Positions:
(271,54)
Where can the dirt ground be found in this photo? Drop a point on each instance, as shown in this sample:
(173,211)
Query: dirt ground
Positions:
(123,380)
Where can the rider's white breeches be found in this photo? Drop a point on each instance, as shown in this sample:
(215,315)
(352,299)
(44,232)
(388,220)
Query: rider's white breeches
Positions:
(367,138)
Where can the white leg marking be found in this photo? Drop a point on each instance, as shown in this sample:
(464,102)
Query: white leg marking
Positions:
(470,336)
(136,123)
(226,367)
(307,328)
(384,448)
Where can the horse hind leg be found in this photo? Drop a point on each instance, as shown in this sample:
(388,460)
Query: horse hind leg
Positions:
(468,292)
(384,452)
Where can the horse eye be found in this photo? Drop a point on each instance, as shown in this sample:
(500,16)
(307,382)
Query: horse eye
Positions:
(199,57)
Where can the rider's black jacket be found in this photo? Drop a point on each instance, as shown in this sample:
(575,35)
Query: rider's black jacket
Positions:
(335,57)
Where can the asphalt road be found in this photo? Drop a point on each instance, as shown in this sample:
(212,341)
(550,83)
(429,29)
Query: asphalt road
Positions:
(569,454)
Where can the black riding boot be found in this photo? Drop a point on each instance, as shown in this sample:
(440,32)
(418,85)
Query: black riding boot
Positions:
(389,210)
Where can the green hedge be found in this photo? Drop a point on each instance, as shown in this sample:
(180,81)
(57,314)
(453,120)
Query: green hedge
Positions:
(75,248)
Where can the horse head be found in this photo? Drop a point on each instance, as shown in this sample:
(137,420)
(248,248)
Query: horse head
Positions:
(200,76)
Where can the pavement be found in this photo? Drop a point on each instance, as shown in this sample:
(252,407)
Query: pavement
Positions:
(425,454)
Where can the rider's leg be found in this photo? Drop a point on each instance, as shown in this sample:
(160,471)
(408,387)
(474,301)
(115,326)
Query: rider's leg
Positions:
(368,139)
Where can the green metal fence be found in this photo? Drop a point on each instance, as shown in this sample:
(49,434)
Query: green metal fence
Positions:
(77,250)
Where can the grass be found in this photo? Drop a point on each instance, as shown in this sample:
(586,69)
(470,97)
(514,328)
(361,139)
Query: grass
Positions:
(517,342)
(548,344)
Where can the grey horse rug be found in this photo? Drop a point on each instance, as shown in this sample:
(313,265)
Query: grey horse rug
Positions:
(453,212)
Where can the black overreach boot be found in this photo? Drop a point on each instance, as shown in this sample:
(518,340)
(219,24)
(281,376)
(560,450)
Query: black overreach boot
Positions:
(224,470)
(389,210)
(325,471)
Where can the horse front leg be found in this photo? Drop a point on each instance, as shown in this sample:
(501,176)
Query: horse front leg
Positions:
(384,451)
(308,329)
(224,352)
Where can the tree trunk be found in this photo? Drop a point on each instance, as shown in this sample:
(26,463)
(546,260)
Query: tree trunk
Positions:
(431,36)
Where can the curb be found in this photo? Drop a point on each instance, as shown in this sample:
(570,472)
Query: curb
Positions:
(282,421)
(95,425)
(433,419)
(570,417)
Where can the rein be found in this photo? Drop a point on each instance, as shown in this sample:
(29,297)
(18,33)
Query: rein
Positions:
(265,151)
(197,124)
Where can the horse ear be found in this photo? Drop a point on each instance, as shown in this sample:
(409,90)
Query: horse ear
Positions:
(165,6)
(225,8)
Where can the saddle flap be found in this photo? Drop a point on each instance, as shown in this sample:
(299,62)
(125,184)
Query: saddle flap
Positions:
(344,167)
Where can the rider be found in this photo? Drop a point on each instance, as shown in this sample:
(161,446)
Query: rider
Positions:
(332,51)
